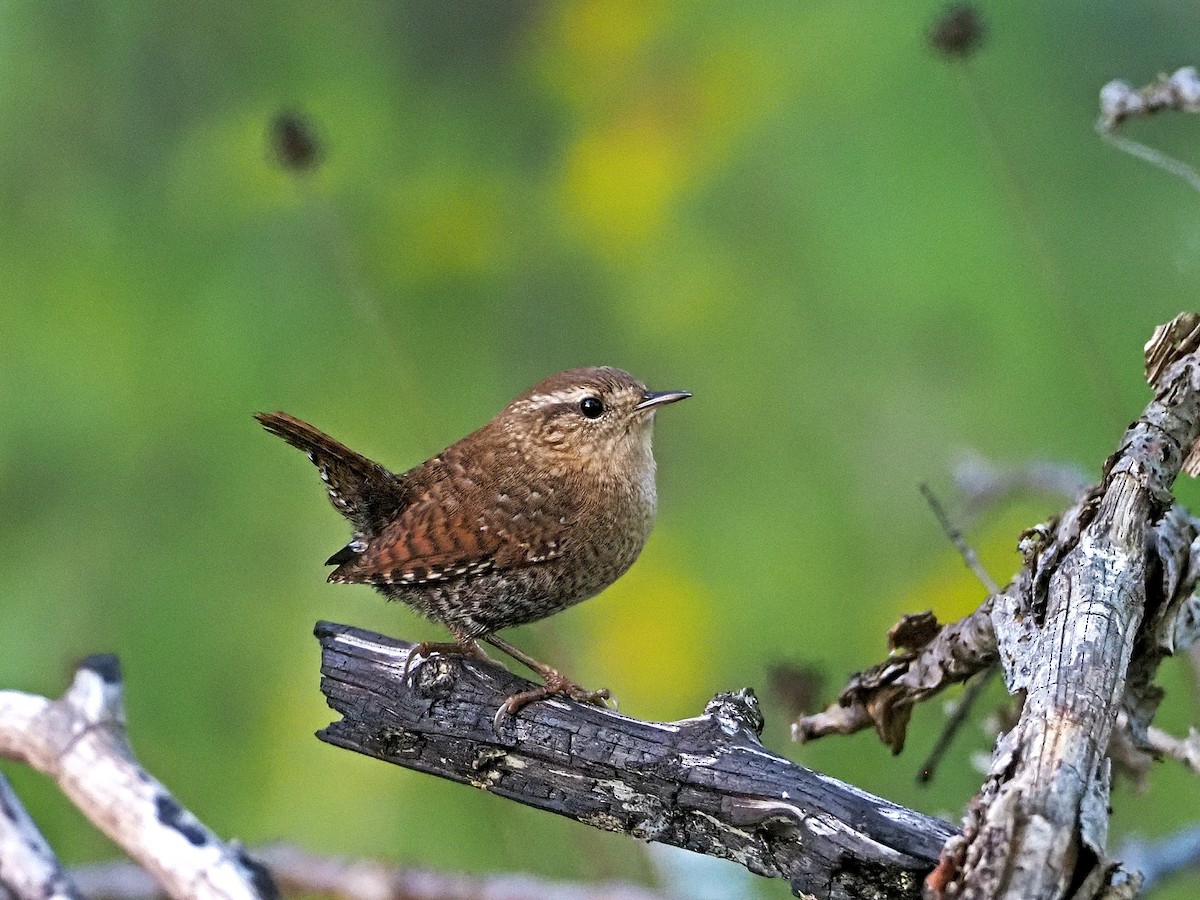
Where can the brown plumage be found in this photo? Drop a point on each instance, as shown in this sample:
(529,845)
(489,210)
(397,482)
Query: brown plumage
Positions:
(543,507)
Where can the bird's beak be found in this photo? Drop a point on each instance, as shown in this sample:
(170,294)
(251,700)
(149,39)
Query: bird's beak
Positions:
(653,399)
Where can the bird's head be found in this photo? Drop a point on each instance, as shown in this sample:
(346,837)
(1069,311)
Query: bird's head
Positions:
(587,418)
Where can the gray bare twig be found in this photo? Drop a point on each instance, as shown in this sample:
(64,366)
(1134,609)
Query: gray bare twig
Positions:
(956,537)
(28,867)
(1105,594)
(1120,101)
(79,740)
(300,873)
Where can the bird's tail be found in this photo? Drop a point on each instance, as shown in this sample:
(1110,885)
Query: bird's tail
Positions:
(361,490)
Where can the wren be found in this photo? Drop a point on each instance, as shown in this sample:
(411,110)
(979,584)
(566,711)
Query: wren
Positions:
(544,506)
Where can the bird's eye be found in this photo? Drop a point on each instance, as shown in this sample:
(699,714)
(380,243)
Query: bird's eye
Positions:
(591,407)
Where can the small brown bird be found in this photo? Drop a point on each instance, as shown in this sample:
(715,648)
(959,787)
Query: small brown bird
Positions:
(546,505)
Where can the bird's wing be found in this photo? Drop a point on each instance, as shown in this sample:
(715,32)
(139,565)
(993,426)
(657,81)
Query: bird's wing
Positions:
(456,528)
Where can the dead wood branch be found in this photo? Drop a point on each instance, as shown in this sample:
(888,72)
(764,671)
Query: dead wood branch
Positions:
(1106,592)
(28,867)
(925,658)
(1185,750)
(1119,102)
(705,784)
(79,740)
(300,873)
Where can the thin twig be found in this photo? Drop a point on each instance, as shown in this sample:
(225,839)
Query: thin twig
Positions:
(956,538)
(28,867)
(301,873)
(954,722)
(1075,320)
(1119,102)
(1156,158)
(80,741)
(976,687)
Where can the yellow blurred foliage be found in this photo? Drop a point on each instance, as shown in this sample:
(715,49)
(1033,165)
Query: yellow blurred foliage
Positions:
(444,224)
(732,88)
(606,40)
(648,130)
(651,630)
(951,590)
(620,182)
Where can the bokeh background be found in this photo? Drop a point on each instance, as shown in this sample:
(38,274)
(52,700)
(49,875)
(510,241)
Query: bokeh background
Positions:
(863,258)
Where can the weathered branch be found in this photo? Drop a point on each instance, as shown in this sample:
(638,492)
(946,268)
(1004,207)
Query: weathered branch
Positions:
(705,784)
(80,742)
(1120,101)
(1185,750)
(28,867)
(926,658)
(1105,594)
(300,873)
(1067,634)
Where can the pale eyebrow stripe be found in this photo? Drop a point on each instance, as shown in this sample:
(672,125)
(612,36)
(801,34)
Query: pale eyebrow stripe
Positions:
(540,401)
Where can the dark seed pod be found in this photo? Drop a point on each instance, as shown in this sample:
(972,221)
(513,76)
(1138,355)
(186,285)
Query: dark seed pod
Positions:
(958,31)
(294,142)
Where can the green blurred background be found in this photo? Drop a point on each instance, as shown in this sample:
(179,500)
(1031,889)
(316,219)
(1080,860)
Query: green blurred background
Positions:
(862,259)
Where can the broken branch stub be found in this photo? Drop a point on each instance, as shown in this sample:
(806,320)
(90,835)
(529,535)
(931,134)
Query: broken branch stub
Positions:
(926,657)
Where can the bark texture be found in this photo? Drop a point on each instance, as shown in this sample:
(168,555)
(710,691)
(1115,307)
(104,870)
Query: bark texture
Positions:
(28,867)
(1104,595)
(79,740)
(706,784)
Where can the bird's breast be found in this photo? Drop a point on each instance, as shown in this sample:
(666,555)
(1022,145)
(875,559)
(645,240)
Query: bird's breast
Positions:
(611,531)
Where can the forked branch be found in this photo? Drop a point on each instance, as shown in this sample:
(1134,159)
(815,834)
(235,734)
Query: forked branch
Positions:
(79,740)
(1105,593)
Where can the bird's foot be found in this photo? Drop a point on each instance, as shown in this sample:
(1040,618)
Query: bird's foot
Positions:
(556,685)
(422,651)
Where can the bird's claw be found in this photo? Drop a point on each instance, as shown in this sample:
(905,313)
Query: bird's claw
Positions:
(556,685)
(418,654)
(422,651)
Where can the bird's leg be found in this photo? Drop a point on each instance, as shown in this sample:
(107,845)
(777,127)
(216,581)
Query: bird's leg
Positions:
(555,683)
(462,645)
